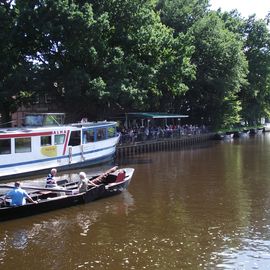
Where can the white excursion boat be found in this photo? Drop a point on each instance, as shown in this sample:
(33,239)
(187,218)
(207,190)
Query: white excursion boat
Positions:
(44,142)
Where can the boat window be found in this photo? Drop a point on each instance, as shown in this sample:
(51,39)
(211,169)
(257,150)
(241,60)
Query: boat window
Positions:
(101,134)
(5,146)
(75,138)
(111,132)
(88,136)
(45,140)
(22,145)
(59,139)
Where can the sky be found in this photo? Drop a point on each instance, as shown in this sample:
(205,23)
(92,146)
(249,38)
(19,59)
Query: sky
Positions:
(245,7)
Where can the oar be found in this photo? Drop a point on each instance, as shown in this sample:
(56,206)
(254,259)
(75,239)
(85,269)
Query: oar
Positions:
(39,188)
(99,178)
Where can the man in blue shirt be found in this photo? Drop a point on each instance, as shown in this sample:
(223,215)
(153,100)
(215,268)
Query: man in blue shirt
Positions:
(18,195)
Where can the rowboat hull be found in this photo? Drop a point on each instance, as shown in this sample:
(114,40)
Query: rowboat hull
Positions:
(64,201)
(30,209)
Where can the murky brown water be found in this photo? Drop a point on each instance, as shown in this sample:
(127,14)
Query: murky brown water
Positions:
(198,208)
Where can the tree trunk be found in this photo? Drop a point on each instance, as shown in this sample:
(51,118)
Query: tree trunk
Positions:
(5,119)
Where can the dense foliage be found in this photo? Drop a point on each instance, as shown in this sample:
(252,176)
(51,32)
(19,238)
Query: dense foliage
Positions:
(99,57)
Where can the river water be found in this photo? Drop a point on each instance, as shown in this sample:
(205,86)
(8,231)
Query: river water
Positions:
(203,207)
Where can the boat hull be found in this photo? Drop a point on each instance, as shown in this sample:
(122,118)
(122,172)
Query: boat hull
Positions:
(42,207)
(85,163)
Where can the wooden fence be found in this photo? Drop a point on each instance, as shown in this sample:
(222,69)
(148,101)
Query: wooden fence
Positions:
(130,149)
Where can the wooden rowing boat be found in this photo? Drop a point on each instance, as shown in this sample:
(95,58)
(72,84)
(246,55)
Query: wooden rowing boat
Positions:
(49,199)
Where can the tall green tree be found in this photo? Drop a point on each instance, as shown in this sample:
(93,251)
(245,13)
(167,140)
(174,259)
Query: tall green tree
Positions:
(60,44)
(99,54)
(180,15)
(256,95)
(152,64)
(15,72)
(221,71)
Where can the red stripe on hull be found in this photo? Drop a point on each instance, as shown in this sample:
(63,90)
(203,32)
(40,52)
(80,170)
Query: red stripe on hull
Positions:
(23,135)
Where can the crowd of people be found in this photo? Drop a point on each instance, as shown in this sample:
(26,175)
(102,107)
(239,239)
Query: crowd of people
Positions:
(139,134)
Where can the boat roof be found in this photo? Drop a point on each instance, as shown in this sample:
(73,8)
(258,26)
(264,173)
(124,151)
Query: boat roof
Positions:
(72,126)
(154,115)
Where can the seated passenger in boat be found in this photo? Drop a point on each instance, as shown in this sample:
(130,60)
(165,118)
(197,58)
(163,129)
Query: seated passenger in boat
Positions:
(84,183)
(18,195)
(120,176)
(114,177)
(51,180)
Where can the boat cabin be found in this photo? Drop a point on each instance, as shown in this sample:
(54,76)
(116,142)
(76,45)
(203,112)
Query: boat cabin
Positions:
(45,142)
(14,141)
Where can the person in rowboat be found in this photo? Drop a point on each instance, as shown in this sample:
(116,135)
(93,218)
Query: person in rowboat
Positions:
(84,183)
(18,195)
(50,180)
